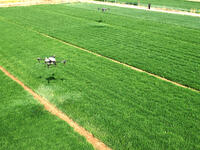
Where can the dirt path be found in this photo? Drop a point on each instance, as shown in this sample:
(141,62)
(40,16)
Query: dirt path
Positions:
(118,62)
(36,2)
(28,3)
(144,8)
(97,144)
(24,4)
(194,0)
(113,60)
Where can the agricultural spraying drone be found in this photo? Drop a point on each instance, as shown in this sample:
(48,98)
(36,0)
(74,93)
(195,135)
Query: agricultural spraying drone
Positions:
(103,9)
(50,61)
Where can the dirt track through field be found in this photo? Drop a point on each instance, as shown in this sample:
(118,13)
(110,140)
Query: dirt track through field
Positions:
(36,2)
(113,60)
(163,10)
(97,144)
(174,11)
(118,62)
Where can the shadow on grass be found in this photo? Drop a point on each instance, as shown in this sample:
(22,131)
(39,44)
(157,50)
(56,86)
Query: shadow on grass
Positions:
(52,78)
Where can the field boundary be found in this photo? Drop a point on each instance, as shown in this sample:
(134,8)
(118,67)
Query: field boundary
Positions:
(161,10)
(155,9)
(24,4)
(97,144)
(29,3)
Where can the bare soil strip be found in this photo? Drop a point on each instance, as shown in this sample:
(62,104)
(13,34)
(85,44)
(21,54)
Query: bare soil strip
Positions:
(118,62)
(24,3)
(97,144)
(113,60)
(163,10)
(35,2)
(194,0)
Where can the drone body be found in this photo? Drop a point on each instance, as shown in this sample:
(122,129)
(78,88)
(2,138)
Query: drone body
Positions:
(50,61)
(104,9)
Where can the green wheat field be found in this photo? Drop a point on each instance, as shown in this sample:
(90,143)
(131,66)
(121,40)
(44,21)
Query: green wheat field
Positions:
(124,108)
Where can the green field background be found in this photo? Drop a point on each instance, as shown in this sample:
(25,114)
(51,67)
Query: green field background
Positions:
(162,44)
(124,108)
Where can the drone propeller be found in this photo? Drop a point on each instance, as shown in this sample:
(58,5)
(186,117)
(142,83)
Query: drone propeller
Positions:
(39,59)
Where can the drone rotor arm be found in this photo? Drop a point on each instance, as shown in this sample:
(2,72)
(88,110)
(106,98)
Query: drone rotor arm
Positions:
(39,59)
(63,61)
